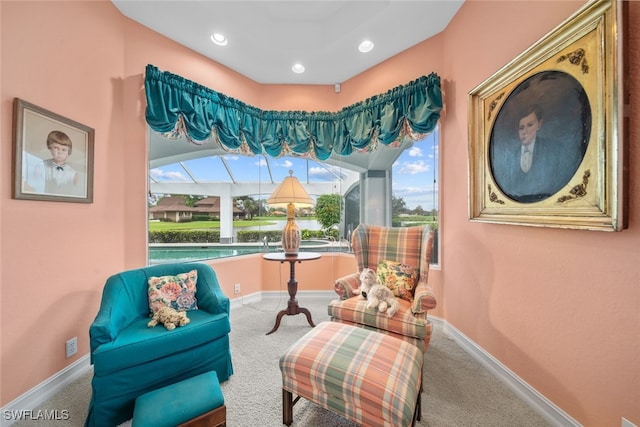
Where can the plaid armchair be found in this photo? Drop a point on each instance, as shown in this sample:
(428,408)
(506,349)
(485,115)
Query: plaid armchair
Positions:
(371,245)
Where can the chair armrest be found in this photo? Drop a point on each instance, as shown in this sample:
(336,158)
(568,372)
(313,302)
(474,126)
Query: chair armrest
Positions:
(101,331)
(211,299)
(114,314)
(346,286)
(209,294)
(423,299)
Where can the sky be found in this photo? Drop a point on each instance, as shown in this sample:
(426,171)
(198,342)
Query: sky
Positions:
(413,173)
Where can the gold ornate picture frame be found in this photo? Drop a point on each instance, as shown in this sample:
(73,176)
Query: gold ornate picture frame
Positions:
(546,132)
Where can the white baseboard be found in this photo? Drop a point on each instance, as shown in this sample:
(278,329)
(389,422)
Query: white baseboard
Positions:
(556,416)
(241,300)
(540,404)
(45,390)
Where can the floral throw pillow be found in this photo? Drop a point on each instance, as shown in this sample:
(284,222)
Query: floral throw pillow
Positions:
(400,278)
(177,292)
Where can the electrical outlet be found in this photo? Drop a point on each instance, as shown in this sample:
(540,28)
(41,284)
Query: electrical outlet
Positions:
(72,347)
(236,288)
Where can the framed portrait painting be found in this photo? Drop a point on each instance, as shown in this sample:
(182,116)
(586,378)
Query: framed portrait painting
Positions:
(546,132)
(53,156)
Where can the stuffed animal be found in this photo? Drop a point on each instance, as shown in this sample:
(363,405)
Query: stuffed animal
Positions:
(379,296)
(169,317)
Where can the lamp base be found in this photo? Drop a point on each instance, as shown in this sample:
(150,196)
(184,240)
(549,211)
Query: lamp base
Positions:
(291,238)
(291,233)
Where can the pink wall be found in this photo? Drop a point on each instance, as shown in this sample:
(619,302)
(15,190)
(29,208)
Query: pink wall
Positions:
(55,256)
(256,275)
(557,307)
(311,275)
(567,324)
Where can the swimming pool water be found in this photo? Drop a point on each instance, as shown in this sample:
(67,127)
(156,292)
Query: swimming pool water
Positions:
(164,255)
(168,254)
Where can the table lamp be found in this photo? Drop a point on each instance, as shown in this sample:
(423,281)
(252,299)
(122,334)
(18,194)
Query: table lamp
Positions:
(290,193)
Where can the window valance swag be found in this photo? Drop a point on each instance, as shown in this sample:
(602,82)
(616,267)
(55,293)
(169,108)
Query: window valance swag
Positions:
(179,107)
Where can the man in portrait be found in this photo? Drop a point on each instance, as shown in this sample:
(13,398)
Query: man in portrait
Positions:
(533,156)
(529,171)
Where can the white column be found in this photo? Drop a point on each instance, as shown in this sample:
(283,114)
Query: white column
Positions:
(375,197)
(226,219)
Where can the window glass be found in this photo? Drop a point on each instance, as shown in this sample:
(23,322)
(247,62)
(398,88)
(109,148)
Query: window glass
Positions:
(415,187)
(207,169)
(414,195)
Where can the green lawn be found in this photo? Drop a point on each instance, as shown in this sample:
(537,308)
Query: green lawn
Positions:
(202,225)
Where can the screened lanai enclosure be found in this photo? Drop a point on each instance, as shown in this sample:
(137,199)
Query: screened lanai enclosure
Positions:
(380,155)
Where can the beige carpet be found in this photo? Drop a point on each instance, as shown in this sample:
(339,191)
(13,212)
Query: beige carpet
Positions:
(458,390)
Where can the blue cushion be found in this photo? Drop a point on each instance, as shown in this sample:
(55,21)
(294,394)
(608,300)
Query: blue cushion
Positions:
(179,402)
(137,343)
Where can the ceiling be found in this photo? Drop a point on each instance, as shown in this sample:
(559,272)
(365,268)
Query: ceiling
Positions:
(267,37)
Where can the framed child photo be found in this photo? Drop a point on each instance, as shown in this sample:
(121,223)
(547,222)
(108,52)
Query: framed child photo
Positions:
(53,156)
(547,131)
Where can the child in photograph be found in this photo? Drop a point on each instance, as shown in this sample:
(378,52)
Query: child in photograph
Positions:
(60,177)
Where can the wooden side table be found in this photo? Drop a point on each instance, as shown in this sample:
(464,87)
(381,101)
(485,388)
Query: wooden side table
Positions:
(292,305)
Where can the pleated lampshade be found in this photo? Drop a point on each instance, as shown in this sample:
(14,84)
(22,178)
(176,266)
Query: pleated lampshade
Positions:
(290,193)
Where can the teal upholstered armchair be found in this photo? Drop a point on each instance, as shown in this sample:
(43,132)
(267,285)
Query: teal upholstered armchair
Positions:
(130,359)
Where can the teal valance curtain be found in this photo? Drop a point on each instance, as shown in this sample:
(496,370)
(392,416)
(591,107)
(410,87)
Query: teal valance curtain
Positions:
(179,107)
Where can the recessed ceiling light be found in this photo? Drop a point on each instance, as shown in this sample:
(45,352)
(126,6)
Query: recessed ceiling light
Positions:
(219,39)
(366,46)
(298,68)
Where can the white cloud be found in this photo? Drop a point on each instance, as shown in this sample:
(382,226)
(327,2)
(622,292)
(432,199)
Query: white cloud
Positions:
(286,164)
(320,174)
(415,152)
(327,173)
(261,162)
(412,168)
(173,176)
(414,190)
(316,170)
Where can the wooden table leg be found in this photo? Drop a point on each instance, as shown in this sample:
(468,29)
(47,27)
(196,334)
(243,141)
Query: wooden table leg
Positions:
(281,313)
(292,305)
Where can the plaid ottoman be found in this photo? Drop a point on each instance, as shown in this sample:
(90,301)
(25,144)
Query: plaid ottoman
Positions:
(367,377)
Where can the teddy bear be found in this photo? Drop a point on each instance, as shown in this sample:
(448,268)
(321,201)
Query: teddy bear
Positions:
(169,317)
(379,296)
